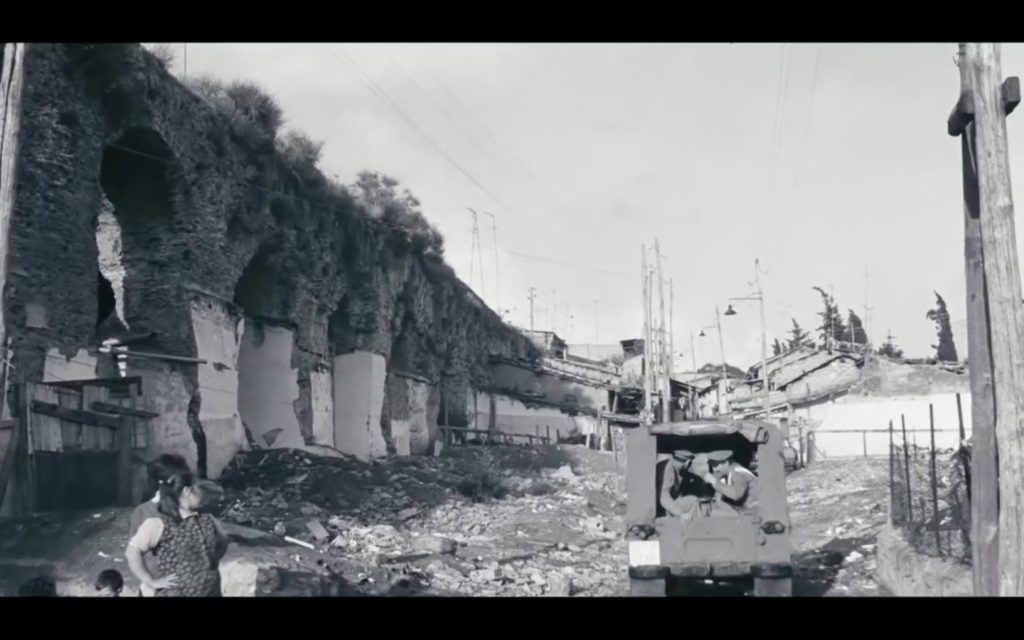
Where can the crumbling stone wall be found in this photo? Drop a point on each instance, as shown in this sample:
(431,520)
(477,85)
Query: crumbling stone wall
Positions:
(204,205)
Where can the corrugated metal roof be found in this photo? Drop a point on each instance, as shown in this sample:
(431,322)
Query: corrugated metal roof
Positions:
(791,373)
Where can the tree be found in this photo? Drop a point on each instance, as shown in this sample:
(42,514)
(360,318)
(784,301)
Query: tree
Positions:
(856,329)
(797,336)
(832,328)
(889,348)
(378,195)
(776,347)
(945,350)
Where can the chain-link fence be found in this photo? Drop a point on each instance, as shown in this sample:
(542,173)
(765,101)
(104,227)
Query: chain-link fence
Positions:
(930,496)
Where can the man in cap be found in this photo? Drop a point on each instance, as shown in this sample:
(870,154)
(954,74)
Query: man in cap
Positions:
(680,487)
(734,485)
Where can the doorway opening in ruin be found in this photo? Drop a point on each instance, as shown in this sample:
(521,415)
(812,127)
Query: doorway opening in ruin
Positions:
(254,291)
(106,299)
(268,384)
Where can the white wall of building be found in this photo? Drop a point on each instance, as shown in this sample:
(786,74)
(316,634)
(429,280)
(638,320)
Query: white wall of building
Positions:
(848,425)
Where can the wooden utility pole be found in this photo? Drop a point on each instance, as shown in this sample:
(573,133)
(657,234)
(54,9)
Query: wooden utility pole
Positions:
(664,386)
(671,331)
(724,383)
(868,342)
(647,332)
(995,321)
(12,78)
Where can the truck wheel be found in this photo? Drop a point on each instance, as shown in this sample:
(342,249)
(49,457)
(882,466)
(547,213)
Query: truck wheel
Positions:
(773,587)
(647,587)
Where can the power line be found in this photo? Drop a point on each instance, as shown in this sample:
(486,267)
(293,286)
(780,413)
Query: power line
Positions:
(782,95)
(574,266)
(317,205)
(807,122)
(380,93)
(444,112)
(451,96)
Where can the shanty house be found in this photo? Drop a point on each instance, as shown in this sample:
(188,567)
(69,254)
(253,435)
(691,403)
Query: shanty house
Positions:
(803,380)
(549,343)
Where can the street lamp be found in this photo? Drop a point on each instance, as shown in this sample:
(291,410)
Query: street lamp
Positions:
(759,297)
(721,351)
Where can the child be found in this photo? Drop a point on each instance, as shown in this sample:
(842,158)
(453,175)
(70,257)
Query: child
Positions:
(109,584)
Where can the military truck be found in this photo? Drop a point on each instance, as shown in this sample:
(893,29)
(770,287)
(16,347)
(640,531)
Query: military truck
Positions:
(716,544)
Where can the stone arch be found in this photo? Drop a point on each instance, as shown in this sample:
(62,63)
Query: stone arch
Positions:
(137,175)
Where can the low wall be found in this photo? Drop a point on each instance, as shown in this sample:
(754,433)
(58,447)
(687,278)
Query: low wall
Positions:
(907,573)
(514,416)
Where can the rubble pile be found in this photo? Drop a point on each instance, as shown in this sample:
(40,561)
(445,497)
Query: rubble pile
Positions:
(495,521)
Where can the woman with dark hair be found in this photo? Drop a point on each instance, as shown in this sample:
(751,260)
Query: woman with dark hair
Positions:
(188,545)
(158,472)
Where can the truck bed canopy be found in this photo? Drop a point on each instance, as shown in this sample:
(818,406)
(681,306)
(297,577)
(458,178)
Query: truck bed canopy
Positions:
(755,431)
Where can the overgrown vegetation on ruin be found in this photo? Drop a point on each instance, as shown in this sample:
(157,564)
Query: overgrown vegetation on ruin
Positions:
(254,116)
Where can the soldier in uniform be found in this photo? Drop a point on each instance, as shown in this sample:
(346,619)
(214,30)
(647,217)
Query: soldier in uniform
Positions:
(681,488)
(735,486)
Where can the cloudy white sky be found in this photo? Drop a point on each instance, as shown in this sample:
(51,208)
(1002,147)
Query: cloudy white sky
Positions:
(821,160)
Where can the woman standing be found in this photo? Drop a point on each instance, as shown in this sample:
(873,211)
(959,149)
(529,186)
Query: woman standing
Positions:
(158,471)
(188,545)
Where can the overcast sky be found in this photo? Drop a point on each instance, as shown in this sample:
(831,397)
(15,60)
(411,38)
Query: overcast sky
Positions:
(821,160)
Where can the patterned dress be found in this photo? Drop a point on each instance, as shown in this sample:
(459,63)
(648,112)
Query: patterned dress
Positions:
(191,550)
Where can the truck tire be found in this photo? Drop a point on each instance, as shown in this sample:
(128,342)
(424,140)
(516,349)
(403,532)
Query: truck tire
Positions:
(773,587)
(647,587)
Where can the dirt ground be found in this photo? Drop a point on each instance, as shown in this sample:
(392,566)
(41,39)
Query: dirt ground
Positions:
(837,508)
(495,521)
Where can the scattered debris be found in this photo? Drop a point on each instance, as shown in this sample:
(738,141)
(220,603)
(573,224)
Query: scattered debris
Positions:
(408,514)
(300,543)
(318,531)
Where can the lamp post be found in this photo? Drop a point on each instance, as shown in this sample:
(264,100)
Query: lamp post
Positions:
(759,296)
(721,352)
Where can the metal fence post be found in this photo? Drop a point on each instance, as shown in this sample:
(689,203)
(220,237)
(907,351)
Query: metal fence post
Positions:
(864,436)
(964,457)
(935,480)
(892,479)
(906,465)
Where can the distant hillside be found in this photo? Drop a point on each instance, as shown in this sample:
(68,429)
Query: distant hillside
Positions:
(731,371)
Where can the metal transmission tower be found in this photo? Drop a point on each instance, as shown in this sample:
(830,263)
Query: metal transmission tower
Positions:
(476,254)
